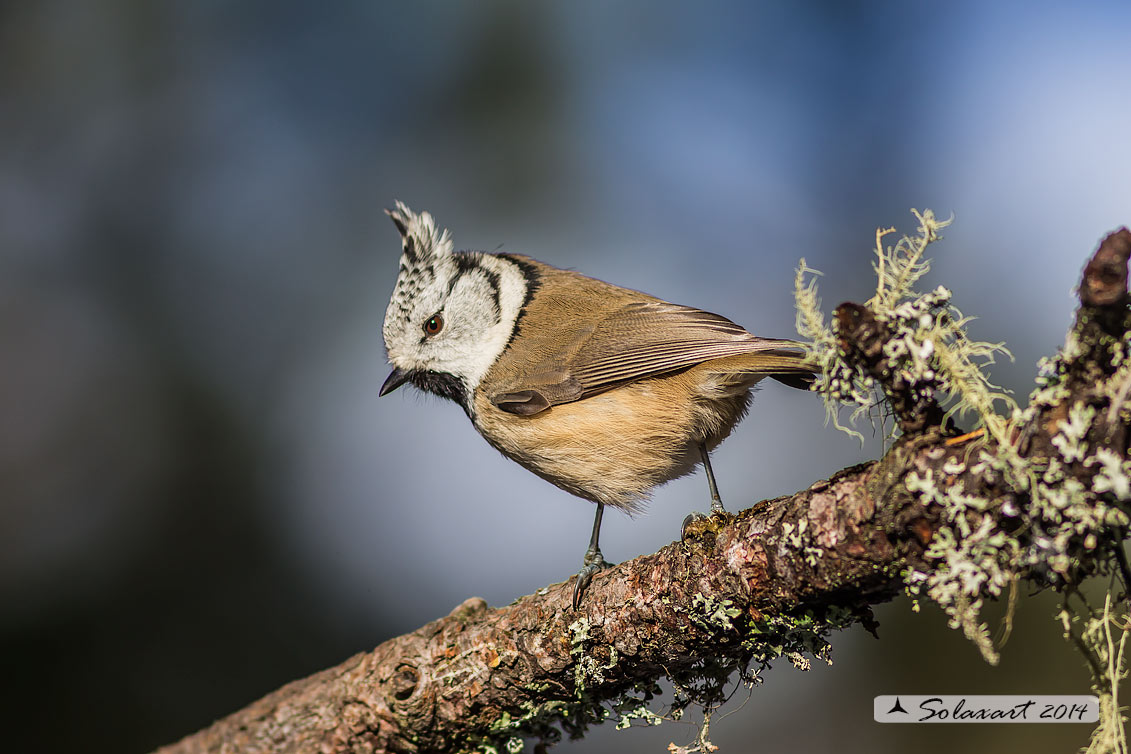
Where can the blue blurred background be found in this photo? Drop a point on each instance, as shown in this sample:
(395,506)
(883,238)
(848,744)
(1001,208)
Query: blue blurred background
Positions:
(201,496)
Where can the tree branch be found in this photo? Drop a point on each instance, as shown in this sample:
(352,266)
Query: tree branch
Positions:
(481,675)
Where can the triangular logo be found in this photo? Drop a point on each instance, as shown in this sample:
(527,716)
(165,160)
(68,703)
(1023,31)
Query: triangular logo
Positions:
(898,708)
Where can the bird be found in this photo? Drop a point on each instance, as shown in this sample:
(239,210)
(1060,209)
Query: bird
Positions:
(603,391)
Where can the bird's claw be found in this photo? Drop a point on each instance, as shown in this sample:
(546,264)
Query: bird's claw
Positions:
(593,563)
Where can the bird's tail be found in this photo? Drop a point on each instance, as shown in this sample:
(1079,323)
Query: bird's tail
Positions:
(786,364)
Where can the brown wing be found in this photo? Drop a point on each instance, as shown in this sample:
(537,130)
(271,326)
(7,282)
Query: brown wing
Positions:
(645,339)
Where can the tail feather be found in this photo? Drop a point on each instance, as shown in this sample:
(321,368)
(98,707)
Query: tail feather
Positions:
(788,367)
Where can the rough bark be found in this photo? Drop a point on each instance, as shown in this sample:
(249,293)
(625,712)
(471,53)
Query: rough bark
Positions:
(843,542)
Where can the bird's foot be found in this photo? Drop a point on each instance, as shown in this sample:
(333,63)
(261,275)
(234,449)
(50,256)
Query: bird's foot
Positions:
(593,563)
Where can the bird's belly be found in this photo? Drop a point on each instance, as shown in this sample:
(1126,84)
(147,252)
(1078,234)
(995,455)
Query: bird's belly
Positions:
(617,446)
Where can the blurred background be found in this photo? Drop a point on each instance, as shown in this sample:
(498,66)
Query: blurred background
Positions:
(202,498)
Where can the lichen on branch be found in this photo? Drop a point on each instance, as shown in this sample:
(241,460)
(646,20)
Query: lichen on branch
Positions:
(907,348)
(1041,494)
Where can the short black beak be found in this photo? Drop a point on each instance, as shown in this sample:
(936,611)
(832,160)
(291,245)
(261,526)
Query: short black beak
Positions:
(396,378)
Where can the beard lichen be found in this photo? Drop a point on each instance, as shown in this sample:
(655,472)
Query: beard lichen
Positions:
(1054,517)
(932,355)
(1103,642)
(928,348)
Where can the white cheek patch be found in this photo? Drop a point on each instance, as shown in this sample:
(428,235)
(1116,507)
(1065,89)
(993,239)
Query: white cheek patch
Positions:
(480,333)
(480,297)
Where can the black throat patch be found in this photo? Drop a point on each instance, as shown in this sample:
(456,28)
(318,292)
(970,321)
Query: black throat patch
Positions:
(442,384)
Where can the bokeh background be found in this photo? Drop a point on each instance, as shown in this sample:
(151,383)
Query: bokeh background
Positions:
(201,496)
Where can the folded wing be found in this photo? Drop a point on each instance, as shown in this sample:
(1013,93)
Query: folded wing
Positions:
(648,339)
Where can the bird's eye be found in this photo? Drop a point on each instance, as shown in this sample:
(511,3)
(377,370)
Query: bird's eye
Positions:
(434,325)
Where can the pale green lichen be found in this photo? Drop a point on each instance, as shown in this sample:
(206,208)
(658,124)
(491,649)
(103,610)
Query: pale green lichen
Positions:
(1063,516)
(1103,641)
(972,558)
(712,614)
(1069,514)
(837,382)
(632,709)
(1114,475)
(792,534)
(928,348)
(795,637)
(1070,440)
(932,354)
(1061,510)
(707,685)
(588,670)
(578,634)
(545,722)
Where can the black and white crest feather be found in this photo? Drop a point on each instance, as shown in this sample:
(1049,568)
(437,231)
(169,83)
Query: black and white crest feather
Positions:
(477,295)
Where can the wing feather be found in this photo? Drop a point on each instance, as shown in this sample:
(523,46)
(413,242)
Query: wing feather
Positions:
(650,338)
(639,340)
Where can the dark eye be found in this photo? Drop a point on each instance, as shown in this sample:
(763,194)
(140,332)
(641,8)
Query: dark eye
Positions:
(434,325)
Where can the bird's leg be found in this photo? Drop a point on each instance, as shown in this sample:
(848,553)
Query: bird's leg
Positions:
(717,508)
(716,501)
(594,561)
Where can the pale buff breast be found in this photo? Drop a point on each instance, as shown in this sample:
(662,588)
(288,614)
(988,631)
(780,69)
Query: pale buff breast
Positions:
(616,446)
